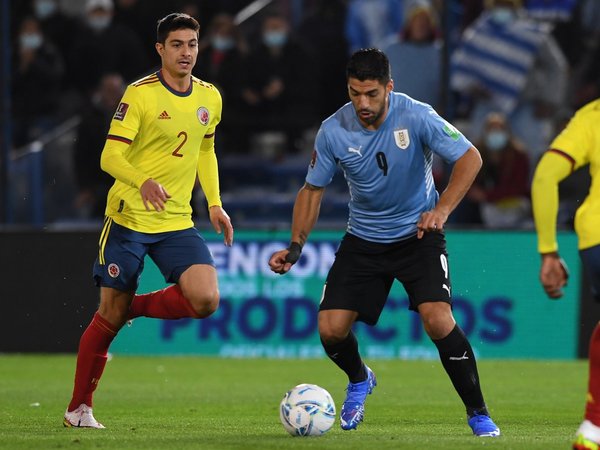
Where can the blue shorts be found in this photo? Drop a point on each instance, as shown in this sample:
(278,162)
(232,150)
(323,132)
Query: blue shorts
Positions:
(121,253)
(591,263)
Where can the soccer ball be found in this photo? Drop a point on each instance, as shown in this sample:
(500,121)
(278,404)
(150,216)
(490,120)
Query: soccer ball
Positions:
(307,410)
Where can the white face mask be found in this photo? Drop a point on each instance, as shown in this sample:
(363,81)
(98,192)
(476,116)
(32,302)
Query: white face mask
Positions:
(503,15)
(99,23)
(222,43)
(496,140)
(31,41)
(275,38)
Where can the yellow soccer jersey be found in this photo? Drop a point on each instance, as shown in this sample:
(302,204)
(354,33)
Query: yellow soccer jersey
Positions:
(168,136)
(579,144)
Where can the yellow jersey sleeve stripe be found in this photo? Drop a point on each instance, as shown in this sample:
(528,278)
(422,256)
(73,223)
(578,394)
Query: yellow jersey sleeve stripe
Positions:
(119,138)
(114,162)
(208,136)
(565,155)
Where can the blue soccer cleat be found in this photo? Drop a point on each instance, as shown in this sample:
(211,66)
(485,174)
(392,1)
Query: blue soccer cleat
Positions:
(353,409)
(483,426)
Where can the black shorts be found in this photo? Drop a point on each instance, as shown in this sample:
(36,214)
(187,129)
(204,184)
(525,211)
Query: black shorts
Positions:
(362,274)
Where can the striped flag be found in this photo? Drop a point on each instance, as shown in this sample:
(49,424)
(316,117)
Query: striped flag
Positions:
(497,58)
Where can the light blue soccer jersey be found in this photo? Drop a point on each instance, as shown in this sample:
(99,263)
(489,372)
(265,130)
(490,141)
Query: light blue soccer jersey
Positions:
(388,170)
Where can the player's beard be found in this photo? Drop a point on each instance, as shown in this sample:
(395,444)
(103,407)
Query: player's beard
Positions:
(376,115)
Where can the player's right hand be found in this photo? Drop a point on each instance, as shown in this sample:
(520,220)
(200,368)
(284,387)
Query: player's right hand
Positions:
(282,261)
(221,222)
(153,193)
(553,275)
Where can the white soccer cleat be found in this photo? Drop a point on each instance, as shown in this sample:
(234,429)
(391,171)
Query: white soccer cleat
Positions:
(81,417)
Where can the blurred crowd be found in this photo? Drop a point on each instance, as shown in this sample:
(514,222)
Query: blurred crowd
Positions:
(508,73)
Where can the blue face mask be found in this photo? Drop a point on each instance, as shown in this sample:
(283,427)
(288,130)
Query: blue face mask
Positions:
(496,140)
(503,15)
(222,43)
(44,8)
(31,41)
(275,38)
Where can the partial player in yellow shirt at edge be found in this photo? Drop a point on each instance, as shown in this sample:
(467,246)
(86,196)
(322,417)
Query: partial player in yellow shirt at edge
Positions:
(576,146)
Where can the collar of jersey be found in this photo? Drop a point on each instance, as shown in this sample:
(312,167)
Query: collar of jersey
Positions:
(170,89)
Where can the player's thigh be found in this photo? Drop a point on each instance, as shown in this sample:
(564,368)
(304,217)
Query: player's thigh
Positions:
(179,250)
(356,281)
(591,262)
(120,259)
(199,282)
(424,271)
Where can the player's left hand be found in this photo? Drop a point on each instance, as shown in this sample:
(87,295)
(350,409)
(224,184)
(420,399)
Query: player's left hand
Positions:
(553,275)
(433,220)
(221,223)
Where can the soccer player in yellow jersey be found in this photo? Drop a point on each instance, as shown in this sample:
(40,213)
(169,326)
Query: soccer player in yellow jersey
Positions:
(576,146)
(161,139)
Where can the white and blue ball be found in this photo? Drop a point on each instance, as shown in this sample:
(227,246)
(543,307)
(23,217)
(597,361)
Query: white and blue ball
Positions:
(307,410)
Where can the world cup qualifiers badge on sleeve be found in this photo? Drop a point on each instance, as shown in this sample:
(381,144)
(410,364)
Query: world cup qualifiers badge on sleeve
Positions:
(121,111)
(203,115)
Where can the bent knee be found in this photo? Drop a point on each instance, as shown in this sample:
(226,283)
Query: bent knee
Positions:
(331,334)
(438,326)
(204,304)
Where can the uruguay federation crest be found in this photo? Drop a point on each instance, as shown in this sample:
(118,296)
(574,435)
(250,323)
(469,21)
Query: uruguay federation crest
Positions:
(402,138)
(203,115)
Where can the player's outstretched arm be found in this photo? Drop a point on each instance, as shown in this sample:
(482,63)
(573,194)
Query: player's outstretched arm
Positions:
(553,167)
(221,223)
(463,174)
(306,213)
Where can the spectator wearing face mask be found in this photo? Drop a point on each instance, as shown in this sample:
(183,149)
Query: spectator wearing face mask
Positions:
(38,70)
(418,42)
(220,61)
(103,46)
(501,190)
(279,84)
(57,26)
(508,62)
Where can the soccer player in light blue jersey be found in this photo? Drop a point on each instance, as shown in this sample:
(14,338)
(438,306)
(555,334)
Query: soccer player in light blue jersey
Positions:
(384,142)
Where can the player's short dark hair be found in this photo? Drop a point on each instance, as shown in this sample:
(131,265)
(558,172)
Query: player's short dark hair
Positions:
(175,21)
(369,64)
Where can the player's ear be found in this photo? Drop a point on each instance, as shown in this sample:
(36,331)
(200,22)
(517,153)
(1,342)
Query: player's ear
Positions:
(390,86)
(160,48)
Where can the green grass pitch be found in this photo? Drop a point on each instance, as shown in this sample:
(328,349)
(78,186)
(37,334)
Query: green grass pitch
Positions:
(208,403)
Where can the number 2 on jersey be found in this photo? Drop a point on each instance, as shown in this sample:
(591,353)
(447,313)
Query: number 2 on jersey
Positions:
(176,151)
